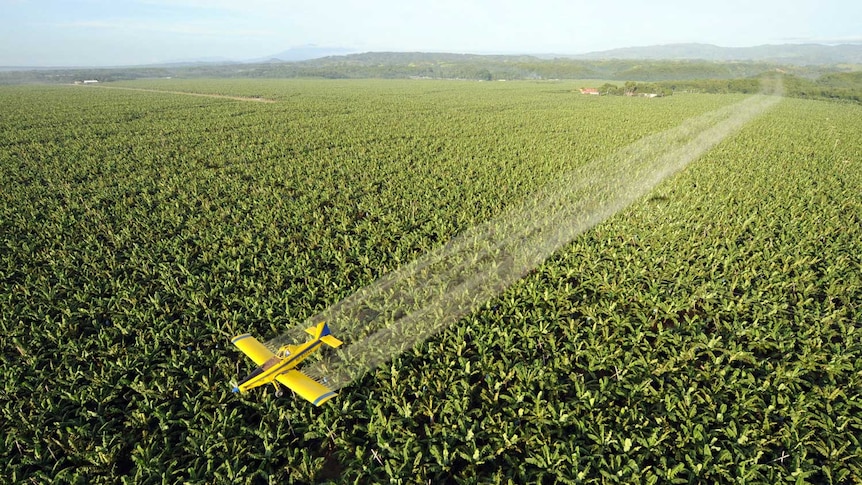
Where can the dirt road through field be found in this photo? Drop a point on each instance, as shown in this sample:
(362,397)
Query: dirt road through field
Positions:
(201,95)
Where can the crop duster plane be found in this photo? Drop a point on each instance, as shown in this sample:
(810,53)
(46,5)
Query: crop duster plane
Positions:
(280,367)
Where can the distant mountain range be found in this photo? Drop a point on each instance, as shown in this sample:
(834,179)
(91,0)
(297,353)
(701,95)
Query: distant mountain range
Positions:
(788,54)
(802,55)
(304,53)
(646,64)
(783,54)
(294,54)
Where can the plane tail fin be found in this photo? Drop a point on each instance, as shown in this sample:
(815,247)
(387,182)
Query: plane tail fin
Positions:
(321,331)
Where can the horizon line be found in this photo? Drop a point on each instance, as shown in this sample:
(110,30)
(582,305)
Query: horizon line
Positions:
(350,51)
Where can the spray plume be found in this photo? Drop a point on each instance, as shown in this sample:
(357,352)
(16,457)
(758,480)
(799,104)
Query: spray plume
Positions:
(409,305)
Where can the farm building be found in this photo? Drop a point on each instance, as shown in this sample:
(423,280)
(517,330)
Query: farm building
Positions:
(590,91)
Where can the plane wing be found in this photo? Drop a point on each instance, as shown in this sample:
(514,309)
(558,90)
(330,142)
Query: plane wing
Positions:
(253,348)
(306,387)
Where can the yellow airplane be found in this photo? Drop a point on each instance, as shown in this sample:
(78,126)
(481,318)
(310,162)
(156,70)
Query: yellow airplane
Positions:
(281,366)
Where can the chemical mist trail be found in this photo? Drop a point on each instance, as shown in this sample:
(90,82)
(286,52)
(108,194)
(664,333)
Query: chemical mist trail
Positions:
(409,305)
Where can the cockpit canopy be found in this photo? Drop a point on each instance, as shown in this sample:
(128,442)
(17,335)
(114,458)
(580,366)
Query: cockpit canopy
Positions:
(283,352)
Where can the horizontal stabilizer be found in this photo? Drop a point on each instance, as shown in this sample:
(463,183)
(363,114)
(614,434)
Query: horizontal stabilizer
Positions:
(321,330)
(331,341)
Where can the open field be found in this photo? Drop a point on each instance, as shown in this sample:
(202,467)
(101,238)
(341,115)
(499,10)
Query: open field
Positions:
(711,331)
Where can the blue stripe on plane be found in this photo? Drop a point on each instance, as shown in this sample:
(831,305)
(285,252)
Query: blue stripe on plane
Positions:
(240,337)
(323,398)
(285,364)
(294,357)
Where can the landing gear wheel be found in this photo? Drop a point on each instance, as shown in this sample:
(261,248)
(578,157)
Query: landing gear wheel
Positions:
(279,393)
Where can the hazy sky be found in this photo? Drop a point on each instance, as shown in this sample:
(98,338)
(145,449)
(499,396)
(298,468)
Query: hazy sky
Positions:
(122,32)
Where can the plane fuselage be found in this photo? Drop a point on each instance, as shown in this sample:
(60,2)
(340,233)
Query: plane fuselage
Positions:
(267,372)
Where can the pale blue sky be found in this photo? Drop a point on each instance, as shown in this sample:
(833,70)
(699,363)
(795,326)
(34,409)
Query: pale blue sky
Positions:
(123,32)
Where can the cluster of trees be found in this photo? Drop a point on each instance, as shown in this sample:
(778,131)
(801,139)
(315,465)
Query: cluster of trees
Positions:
(836,86)
(631,88)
